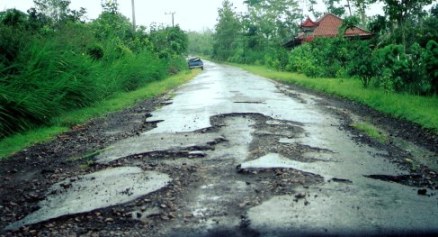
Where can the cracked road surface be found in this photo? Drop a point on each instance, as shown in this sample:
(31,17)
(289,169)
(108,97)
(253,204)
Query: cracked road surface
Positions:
(234,154)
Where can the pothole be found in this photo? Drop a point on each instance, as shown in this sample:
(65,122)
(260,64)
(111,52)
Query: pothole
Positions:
(93,191)
(248,102)
(416,180)
(147,143)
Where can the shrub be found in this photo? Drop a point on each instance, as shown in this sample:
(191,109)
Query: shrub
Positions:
(95,51)
(393,67)
(430,59)
(361,63)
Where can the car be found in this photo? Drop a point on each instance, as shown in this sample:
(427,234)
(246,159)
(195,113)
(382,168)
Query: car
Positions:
(195,62)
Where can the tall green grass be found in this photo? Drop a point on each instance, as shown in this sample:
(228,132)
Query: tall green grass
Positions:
(418,109)
(65,121)
(54,77)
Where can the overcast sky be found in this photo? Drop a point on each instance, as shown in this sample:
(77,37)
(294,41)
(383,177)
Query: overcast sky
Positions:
(195,15)
(189,14)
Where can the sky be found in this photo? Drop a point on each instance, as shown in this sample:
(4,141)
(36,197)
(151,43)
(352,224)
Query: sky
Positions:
(195,15)
(190,15)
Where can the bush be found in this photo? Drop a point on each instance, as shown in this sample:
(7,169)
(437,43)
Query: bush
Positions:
(133,71)
(400,71)
(361,63)
(430,59)
(301,60)
(95,51)
(11,43)
(277,59)
(393,63)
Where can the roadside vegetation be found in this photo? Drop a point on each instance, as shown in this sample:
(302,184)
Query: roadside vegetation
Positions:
(371,131)
(56,68)
(422,110)
(395,72)
(66,121)
(200,43)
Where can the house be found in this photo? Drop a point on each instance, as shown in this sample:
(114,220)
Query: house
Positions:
(327,26)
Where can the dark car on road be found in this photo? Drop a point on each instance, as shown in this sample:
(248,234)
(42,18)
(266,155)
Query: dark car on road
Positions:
(195,63)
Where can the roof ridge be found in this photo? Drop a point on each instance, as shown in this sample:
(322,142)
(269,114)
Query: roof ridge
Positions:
(326,14)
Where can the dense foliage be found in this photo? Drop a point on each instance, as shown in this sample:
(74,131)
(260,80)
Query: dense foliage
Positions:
(51,61)
(255,37)
(200,43)
(395,59)
(402,55)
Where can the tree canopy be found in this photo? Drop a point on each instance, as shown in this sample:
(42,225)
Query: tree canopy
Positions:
(399,57)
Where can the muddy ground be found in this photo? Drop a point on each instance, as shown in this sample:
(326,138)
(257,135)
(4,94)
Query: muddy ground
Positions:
(26,176)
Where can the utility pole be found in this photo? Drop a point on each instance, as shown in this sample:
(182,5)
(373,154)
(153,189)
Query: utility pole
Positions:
(349,6)
(173,17)
(133,14)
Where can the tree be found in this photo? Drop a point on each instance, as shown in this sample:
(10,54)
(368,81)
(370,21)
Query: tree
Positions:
(332,7)
(109,25)
(54,12)
(399,11)
(110,6)
(430,58)
(348,23)
(169,41)
(429,27)
(200,43)
(361,6)
(13,17)
(311,8)
(55,9)
(274,19)
(227,32)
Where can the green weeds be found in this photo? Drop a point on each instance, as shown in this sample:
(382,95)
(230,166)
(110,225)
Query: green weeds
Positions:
(370,130)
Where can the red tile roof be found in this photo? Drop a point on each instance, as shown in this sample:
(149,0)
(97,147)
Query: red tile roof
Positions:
(329,26)
(309,23)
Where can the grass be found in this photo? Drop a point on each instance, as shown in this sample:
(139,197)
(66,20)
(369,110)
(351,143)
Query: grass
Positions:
(370,130)
(417,109)
(63,123)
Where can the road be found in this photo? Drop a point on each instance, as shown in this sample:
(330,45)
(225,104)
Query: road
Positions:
(234,154)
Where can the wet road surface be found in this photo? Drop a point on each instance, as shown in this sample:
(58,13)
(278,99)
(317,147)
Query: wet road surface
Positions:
(269,164)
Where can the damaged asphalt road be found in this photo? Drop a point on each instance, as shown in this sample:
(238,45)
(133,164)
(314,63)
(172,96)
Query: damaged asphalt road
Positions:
(227,154)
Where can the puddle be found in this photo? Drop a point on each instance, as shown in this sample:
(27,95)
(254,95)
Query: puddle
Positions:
(93,191)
